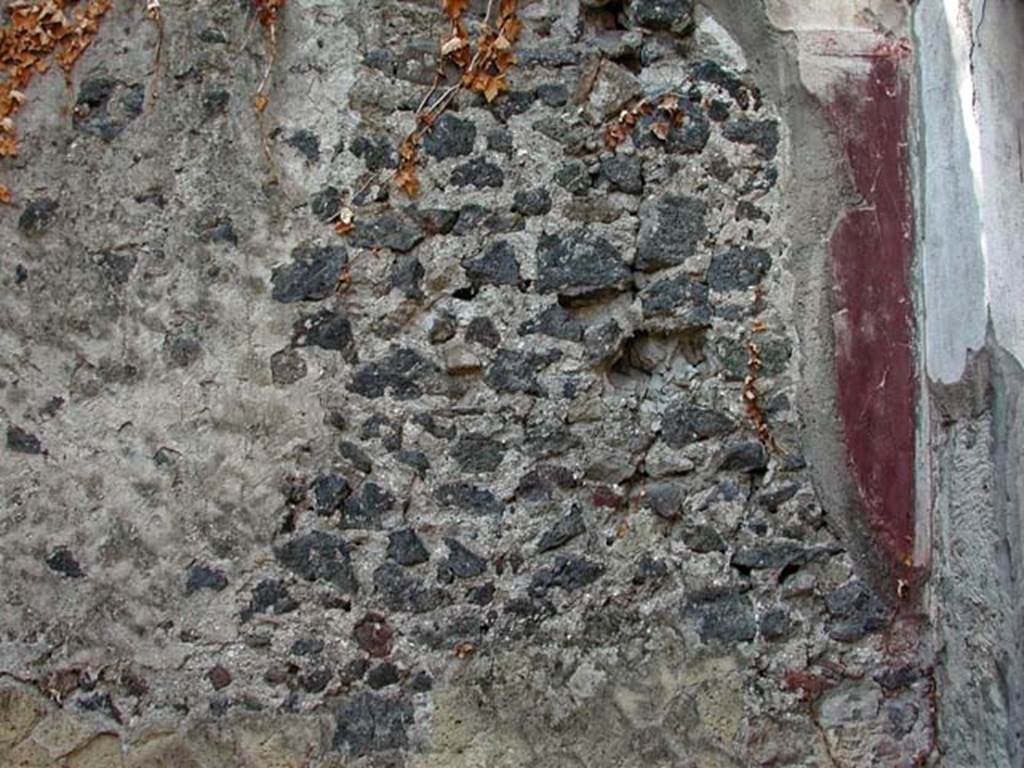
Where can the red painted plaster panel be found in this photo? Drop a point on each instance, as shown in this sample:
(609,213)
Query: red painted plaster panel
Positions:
(872,252)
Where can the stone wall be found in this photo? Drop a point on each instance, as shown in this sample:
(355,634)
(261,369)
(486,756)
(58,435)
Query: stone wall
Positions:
(480,483)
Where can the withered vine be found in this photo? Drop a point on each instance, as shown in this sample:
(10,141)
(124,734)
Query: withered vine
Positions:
(267,13)
(750,393)
(36,35)
(155,15)
(666,110)
(483,65)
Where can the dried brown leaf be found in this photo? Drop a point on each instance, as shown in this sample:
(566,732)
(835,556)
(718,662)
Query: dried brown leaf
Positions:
(453,44)
(454,8)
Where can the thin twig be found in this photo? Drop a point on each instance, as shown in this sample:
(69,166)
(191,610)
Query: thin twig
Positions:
(262,100)
(433,89)
(153,12)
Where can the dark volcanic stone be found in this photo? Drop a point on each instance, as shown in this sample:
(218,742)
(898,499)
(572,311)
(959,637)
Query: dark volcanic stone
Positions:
(215,101)
(772,555)
(217,229)
(306,143)
(776,624)
(439,429)
(772,499)
(203,577)
(671,227)
(407,275)
(500,140)
(20,441)
(406,548)
(371,722)
(479,173)
(400,593)
(532,202)
(675,16)
(497,266)
(553,94)
(685,424)
(398,230)
(373,635)
(403,373)
(623,172)
(514,372)
(325,329)
(512,103)
(376,153)
(329,493)
(680,301)
(421,682)
(96,91)
(541,483)
(116,267)
(63,562)
(366,509)
(326,203)
(743,457)
(470,498)
(269,596)
(726,617)
(710,71)
(664,499)
(775,354)
(482,331)
(649,570)
(703,539)
(763,135)
(382,676)
(747,211)
(415,459)
(182,351)
(569,573)
(572,135)
(738,268)
(320,556)
(461,563)
(856,611)
(603,343)
(96,111)
(219,677)
(437,221)
(474,452)
(287,367)
(443,328)
(689,138)
(555,321)
(577,265)
(307,646)
(315,680)
(472,219)
(718,111)
(311,276)
(548,439)
(574,177)
(356,456)
(37,216)
(450,136)
(562,532)
(482,595)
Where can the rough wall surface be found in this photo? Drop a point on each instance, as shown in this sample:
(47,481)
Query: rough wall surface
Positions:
(474,485)
(971,182)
